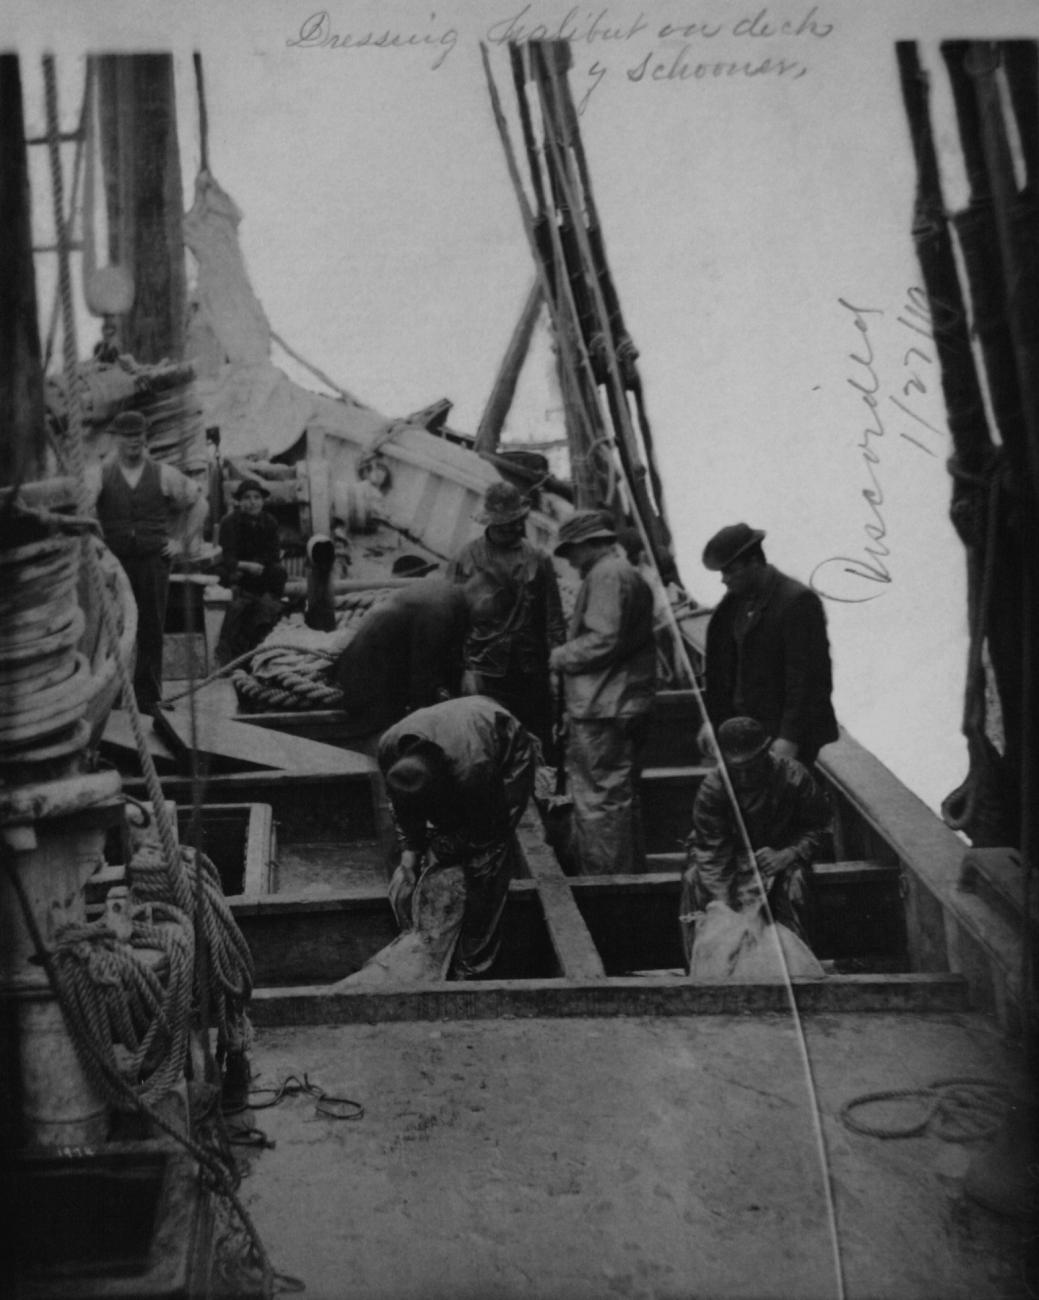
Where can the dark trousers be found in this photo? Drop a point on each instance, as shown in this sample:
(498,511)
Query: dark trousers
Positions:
(604,766)
(254,609)
(150,582)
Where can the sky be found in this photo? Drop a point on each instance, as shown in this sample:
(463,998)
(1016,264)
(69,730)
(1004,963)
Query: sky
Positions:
(753,176)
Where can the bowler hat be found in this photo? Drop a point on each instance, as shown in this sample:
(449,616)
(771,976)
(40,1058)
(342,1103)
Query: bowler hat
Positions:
(585,526)
(503,504)
(742,739)
(728,544)
(249,485)
(129,423)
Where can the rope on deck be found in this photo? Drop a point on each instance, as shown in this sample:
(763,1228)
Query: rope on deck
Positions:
(960,1109)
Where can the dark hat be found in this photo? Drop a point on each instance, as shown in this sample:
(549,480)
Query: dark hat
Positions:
(130,423)
(742,739)
(728,544)
(585,526)
(503,504)
(410,776)
(249,485)
(412,566)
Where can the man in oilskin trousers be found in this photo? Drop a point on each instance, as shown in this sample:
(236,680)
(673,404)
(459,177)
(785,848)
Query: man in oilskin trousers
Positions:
(608,667)
(786,815)
(459,776)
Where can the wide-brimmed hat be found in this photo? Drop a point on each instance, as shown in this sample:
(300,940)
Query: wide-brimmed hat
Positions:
(503,504)
(412,566)
(129,424)
(729,544)
(250,485)
(585,526)
(742,739)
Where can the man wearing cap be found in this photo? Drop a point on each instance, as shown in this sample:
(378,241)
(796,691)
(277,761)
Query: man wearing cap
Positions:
(250,564)
(459,776)
(145,508)
(786,815)
(768,655)
(608,666)
(515,614)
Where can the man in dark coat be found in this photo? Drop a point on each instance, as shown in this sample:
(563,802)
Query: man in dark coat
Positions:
(145,508)
(786,815)
(459,776)
(406,654)
(250,564)
(515,614)
(768,655)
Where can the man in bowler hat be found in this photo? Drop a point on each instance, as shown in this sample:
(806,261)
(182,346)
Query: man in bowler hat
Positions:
(768,655)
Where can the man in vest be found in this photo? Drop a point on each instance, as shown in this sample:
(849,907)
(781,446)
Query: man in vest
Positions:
(608,668)
(145,508)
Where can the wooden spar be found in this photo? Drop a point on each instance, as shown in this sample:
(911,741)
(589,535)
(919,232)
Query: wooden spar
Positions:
(591,470)
(493,419)
(144,197)
(636,471)
(23,439)
(564,336)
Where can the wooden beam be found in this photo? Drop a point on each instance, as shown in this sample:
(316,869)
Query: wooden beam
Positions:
(497,409)
(23,440)
(577,955)
(497,999)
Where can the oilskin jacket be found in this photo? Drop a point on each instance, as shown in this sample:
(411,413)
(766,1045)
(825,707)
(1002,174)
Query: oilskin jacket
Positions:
(515,614)
(609,662)
(788,811)
(768,658)
(490,763)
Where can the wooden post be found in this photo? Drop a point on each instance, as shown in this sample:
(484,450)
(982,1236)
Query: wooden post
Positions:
(493,419)
(144,199)
(23,440)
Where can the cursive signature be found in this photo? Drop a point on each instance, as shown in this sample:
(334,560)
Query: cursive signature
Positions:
(847,578)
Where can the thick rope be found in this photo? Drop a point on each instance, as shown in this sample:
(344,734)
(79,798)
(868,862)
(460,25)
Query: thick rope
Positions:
(958,1110)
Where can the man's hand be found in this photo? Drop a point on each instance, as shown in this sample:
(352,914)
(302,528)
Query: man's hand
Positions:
(402,886)
(172,547)
(772,861)
(555,659)
(708,757)
(252,567)
(783,749)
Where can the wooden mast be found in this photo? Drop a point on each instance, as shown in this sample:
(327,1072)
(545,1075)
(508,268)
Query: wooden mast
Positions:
(23,439)
(144,198)
(493,419)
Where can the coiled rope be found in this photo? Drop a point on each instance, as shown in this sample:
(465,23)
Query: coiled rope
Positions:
(957,1110)
(113,996)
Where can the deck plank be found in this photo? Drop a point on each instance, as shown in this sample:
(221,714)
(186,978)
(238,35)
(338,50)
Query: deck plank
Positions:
(257,746)
(578,956)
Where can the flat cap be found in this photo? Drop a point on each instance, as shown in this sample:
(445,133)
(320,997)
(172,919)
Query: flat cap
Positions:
(585,526)
(129,422)
(729,544)
(742,739)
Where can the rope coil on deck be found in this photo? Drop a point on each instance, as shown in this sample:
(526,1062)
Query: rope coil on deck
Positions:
(957,1110)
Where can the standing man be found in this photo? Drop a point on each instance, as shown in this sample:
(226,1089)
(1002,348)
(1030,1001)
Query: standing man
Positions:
(768,655)
(608,667)
(250,564)
(515,614)
(459,777)
(145,508)
(786,816)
